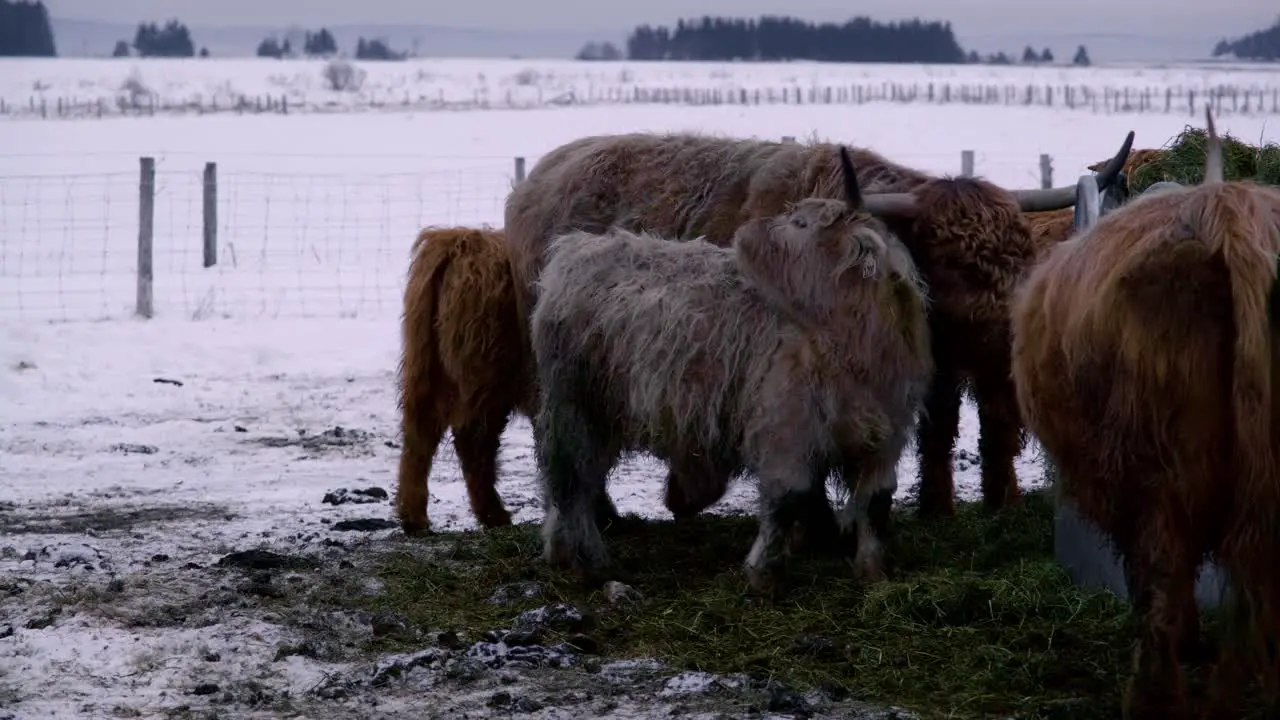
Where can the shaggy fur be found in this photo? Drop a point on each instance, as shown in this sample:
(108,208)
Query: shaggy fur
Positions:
(970,242)
(1144,355)
(800,352)
(460,368)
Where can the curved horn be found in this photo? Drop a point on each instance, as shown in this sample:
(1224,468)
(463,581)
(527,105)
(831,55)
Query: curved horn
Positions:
(1212,152)
(1087,203)
(1064,197)
(852,195)
(1112,169)
(891,204)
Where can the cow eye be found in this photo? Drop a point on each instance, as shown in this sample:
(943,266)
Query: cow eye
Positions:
(799,221)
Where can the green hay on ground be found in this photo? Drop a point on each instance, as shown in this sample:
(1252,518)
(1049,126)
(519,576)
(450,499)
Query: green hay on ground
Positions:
(1182,161)
(977,620)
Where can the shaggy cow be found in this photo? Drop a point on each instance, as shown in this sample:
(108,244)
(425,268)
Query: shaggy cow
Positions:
(967,237)
(800,352)
(461,367)
(1144,354)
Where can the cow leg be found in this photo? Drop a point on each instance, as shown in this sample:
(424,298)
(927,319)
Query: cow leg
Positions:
(936,439)
(785,493)
(1160,568)
(818,532)
(1000,436)
(423,430)
(574,464)
(872,485)
(477,444)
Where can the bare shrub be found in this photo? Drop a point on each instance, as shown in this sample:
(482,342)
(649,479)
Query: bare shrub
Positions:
(341,76)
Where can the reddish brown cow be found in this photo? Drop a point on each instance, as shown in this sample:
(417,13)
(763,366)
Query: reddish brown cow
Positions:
(1144,354)
(461,367)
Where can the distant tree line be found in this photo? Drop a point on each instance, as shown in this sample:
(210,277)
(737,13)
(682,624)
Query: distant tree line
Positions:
(772,38)
(172,40)
(1261,45)
(322,44)
(1029,57)
(786,38)
(25,30)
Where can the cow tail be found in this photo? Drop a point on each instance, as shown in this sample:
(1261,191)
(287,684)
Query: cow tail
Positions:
(1252,548)
(419,361)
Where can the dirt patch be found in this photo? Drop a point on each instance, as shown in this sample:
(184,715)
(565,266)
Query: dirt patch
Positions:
(49,520)
(349,441)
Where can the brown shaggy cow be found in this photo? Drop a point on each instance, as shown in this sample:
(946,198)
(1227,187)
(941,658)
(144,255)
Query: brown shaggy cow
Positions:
(461,368)
(967,236)
(1145,355)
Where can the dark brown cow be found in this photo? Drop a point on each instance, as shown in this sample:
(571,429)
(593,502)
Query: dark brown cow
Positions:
(1145,357)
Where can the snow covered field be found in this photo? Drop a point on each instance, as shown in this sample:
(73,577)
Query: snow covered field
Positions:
(137,455)
(26,84)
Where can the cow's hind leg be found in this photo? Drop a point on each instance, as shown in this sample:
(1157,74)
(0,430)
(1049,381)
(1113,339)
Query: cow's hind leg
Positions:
(1000,438)
(477,443)
(423,430)
(1160,567)
(936,439)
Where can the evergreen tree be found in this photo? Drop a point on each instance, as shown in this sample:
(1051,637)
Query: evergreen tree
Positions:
(172,40)
(320,43)
(1261,45)
(1082,57)
(25,30)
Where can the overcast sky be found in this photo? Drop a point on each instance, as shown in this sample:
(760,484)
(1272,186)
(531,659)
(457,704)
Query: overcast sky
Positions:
(1163,17)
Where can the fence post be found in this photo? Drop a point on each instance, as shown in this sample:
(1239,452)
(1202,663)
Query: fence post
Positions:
(1046,171)
(966,163)
(146,228)
(519,170)
(210,214)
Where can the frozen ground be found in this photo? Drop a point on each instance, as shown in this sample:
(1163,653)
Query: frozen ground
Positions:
(219,83)
(140,460)
(138,455)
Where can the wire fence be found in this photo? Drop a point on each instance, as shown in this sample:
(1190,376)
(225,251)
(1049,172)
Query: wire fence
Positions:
(194,240)
(1225,100)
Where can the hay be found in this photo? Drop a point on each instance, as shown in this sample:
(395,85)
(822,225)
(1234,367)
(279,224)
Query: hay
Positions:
(1182,161)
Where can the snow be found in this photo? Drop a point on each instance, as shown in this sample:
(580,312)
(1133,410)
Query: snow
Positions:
(25,83)
(109,470)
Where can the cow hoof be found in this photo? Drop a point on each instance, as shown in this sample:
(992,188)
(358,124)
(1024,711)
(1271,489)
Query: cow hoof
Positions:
(415,527)
(496,519)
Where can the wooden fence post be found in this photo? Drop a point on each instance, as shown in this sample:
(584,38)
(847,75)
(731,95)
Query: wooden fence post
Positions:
(210,214)
(146,228)
(1046,171)
(966,163)
(519,170)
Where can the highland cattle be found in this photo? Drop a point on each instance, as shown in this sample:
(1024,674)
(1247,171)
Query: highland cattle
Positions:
(1145,356)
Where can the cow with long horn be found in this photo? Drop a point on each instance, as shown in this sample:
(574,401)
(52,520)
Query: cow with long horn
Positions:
(968,237)
(800,352)
(1145,355)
